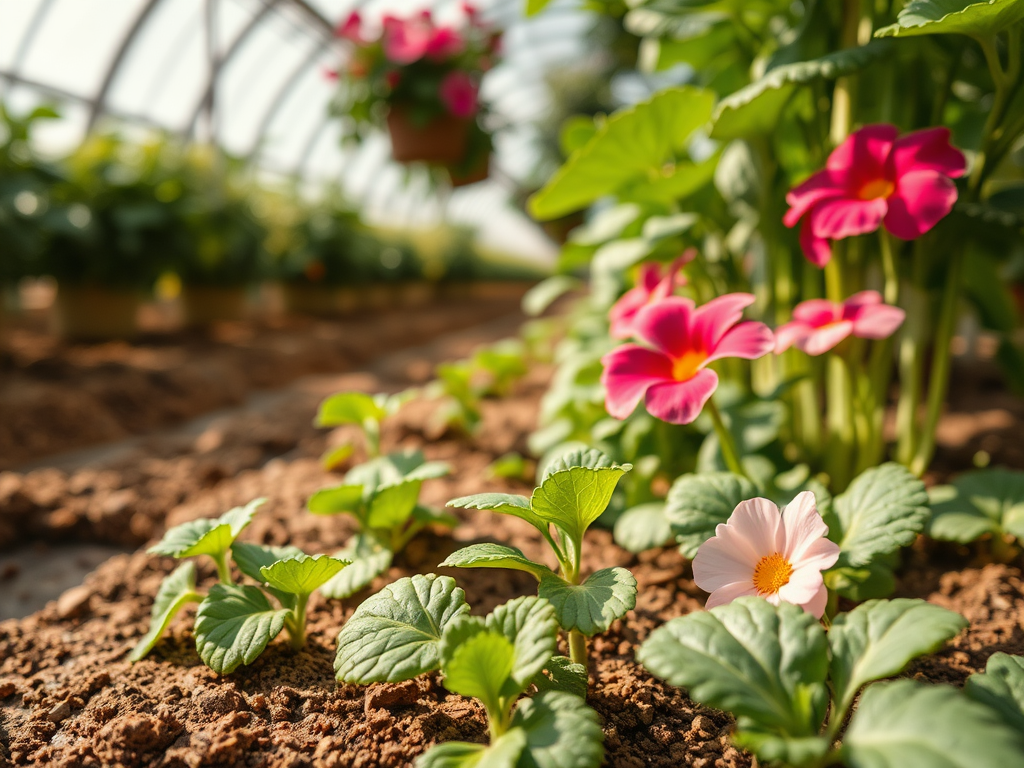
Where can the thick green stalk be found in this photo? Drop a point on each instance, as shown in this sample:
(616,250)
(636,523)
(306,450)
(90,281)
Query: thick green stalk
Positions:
(297,623)
(223,569)
(578,647)
(913,340)
(889,267)
(725,441)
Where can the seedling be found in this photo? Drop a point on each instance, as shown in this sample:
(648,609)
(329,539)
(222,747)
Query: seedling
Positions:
(779,673)
(383,496)
(235,622)
(422,624)
(573,493)
(1001,687)
(366,411)
(987,502)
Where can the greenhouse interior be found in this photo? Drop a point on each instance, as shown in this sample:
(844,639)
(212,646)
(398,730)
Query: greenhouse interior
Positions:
(512,383)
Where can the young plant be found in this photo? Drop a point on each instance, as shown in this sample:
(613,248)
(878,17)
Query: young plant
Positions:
(235,622)
(985,502)
(383,496)
(573,492)
(1001,687)
(422,624)
(778,672)
(365,411)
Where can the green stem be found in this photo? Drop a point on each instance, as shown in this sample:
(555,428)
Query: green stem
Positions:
(578,647)
(297,623)
(371,428)
(725,441)
(223,569)
(889,268)
(913,339)
(841,431)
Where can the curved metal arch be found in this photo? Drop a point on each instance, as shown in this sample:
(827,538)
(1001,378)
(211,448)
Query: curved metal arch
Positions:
(99,100)
(25,45)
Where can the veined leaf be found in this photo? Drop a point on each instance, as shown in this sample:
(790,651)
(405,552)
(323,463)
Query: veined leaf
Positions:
(392,504)
(207,536)
(964,17)
(348,408)
(883,509)
(234,625)
(333,501)
(592,606)
(494,556)
(302,574)
(394,635)
(250,558)
(867,582)
(907,724)
(756,109)
(563,674)
(643,527)
(502,503)
(479,667)
(529,623)
(879,638)
(696,504)
(1001,687)
(979,502)
(631,143)
(576,489)
(561,732)
(176,591)
(369,559)
(504,752)
(750,658)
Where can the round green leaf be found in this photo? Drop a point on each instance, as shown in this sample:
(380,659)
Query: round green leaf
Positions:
(368,559)
(348,408)
(979,502)
(176,591)
(494,556)
(965,17)
(207,536)
(696,504)
(302,574)
(480,667)
(592,606)
(234,625)
(643,527)
(561,673)
(391,505)
(333,501)
(561,732)
(1001,687)
(576,489)
(529,623)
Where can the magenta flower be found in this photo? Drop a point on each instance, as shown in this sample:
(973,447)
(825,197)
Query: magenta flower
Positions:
(818,325)
(779,557)
(874,178)
(458,92)
(406,41)
(673,377)
(651,286)
(445,43)
(351,28)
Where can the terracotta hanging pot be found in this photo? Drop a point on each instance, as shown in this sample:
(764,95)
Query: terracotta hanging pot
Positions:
(442,140)
(479,171)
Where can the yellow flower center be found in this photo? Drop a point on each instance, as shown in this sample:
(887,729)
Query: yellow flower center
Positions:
(685,368)
(877,188)
(771,574)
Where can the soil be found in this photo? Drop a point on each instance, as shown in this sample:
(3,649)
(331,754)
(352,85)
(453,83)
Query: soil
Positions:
(68,697)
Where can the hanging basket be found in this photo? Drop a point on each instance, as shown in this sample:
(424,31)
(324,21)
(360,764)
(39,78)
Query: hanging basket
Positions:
(479,171)
(96,313)
(443,140)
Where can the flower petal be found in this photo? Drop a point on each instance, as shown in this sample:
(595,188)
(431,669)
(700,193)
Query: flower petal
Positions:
(803,525)
(921,200)
(837,219)
(802,586)
(748,340)
(758,521)
(729,592)
(680,402)
(628,373)
(666,325)
(789,334)
(821,186)
(928,150)
(719,561)
(864,155)
(822,340)
(713,320)
(816,605)
(820,554)
(816,312)
(623,312)
(816,249)
(877,322)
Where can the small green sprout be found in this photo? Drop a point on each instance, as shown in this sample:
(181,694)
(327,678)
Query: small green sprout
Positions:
(573,493)
(383,496)
(365,411)
(985,502)
(422,624)
(235,622)
(792,686)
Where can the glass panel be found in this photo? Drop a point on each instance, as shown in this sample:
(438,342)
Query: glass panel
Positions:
(16,17)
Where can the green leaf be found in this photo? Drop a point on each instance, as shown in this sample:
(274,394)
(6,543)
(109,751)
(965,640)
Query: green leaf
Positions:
(394,635)
(750,658)
(979,502)
(937,17)
(592,606)
(643,527)
(424,515)
(234,625)
(392,505)
(563,674)
(206,536)
(369,559)
(302,574)
(502,503)
(536,6)
(251,558)
(176,591)
(1001,687)
(348,408)
(504,752)
(561,732)
(479,668)
(786,750)
(529,623)
(631,143)
(494,556)
(336,456)
(868,582)
(340,498)
(756,109)
(546,292)
(576,489)
(907,724)
(883,509)
(696,504)
(879,638)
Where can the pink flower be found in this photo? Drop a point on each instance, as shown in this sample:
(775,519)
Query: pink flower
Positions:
(651,286)
(673,377)
(351,28)
(406,41)
(458,92)
(818,325)
(445,44)
(779,557)
(874,178)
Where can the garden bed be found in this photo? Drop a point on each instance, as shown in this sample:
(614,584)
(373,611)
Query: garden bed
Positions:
(70,697)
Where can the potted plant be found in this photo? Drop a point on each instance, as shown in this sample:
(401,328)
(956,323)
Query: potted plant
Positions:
(422,81)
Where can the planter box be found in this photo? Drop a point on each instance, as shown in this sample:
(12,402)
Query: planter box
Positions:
(203,305)
(321,300)
(94,313)
(442,140)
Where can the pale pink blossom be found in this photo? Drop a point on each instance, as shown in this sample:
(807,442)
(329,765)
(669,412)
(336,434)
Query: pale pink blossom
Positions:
(759,551)
(351,28)
(459,93)
(873,179)
(671,374)
(409,40)
(818,325)
(651,286)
